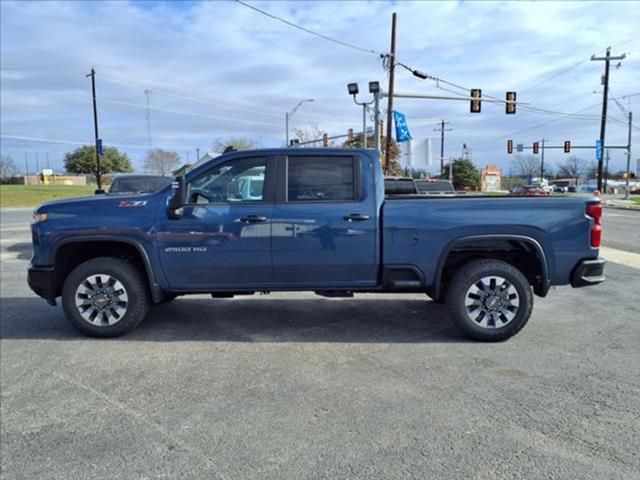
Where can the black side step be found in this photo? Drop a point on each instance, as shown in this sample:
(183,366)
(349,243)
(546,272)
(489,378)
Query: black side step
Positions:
(334,293)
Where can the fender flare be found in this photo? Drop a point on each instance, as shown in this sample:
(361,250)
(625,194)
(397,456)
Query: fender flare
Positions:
(546,282)
(154,286)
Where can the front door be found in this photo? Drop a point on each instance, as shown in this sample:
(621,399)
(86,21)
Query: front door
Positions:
(223,239)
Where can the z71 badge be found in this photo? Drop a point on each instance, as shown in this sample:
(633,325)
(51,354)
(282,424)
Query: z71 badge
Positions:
(132,203)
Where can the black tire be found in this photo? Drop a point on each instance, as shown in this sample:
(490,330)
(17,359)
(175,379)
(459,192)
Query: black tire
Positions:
(472,274)
(130,279)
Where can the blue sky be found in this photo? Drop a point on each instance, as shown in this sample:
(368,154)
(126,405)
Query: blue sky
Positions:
(219,69)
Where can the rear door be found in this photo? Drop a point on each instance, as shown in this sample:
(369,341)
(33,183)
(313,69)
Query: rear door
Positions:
(324,222)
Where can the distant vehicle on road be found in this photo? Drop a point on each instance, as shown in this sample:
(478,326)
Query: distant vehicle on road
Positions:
(138,183)
(529,191)
(304,219)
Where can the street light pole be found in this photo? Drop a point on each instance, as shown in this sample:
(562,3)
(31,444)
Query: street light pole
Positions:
(288,116)
(626,192)
(374,88)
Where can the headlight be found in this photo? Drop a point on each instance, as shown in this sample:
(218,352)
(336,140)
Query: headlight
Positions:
(39,217)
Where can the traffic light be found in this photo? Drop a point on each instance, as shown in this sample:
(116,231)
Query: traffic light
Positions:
(350,135)
(509,146)
(536,147)
(325,140)
(567,146)
(510,106)
(475,104)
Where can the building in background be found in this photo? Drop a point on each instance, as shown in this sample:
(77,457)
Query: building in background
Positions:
(490,179)
(416,154)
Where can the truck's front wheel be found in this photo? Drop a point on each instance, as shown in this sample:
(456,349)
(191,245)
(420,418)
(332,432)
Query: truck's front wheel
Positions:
(105,297)
(489,300)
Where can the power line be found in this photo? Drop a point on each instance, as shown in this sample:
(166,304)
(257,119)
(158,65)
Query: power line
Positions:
(554,75)
(311,32)
(533,127)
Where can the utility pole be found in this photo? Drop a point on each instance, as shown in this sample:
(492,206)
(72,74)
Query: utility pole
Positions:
(542,161)
(392,64)
(605,97)
(376,121)
(442,129)
(37,163)
(26,168)
(626,192)
(606,172)
(47,159)
(197,154)
(95,126)
(148,117)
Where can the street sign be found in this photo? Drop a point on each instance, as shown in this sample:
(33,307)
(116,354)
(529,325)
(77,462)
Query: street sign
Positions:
(100,150)
(519,147)
(598,149)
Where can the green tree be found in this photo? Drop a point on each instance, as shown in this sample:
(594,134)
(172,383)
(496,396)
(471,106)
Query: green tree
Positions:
(393,167)
(83,161)
(465,174)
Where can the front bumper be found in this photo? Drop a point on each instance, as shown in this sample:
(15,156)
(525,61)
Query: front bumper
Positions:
(42,281)
(588,272)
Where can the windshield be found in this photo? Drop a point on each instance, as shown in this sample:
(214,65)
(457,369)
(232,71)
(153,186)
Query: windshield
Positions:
(142,184)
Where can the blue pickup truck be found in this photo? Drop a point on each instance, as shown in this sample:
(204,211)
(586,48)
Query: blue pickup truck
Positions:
(315,220)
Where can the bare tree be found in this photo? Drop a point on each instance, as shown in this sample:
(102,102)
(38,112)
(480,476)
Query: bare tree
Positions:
(573,167)
(239,143)
(526,165)
(311,132)
(161,161)
(7,167)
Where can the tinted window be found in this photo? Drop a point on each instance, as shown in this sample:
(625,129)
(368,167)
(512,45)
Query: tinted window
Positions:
(434,186)
(320,178)
(399,186)
(240,180)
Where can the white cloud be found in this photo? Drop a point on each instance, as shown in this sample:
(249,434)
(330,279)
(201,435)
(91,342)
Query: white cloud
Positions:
(229,62)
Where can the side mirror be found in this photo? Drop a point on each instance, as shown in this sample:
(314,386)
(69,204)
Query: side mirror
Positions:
(178,199)
(99,191)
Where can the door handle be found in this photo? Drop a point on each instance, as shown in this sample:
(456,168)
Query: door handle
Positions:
(253,219)
(355,217)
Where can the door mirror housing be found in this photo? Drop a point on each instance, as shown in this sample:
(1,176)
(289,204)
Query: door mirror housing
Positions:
(178,199)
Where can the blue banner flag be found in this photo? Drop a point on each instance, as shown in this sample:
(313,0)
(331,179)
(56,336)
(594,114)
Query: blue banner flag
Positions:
(402,130)
(598,149)
(100,150)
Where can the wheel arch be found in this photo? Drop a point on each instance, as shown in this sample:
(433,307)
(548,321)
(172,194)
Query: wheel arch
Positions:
(499,246)
(69,252)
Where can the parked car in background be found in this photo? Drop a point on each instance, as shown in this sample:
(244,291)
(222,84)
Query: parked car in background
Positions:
(138,183)
(400,186)
(434,185)
(529,191)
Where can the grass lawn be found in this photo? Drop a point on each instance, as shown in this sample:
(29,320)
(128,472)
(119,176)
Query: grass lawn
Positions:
(635,199)
(32,195)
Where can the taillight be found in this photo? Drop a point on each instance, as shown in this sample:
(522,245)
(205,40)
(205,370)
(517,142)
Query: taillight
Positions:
(594,210)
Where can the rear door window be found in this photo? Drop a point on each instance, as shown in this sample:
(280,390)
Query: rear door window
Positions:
(313,179)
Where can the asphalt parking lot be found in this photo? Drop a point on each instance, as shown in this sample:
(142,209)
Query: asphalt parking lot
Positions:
(294,386)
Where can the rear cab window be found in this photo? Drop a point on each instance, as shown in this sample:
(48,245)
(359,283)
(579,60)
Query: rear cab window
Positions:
(322,179)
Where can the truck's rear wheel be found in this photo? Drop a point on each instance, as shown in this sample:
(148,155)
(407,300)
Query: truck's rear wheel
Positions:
(489,300)
(105,297)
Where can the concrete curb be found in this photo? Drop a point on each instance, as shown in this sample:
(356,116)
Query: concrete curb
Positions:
(621,207)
